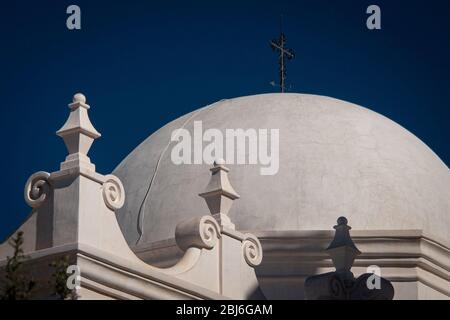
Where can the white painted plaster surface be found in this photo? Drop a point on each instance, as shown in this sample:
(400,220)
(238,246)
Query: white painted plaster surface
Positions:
(336,158)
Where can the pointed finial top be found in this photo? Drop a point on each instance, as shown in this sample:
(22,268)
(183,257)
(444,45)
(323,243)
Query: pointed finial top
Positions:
(341,221)
(219,162)
(219,194)
(342,249)
(219,184)
(79,97)
(78,134)
(342,235)
(78,121)
(78,100)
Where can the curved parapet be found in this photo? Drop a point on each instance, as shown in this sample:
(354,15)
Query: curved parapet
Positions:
(74,214)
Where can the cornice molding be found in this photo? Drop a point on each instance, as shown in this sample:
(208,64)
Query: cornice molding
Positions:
(403,255)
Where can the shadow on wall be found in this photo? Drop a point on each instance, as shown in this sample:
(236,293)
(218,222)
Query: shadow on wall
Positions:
(283,282)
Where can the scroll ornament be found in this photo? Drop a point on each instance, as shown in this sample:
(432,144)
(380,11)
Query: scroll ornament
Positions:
(200,232)
(252,250)
(113,192)
(37,189)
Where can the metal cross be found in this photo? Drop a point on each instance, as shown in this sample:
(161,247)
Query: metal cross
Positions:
(278,45)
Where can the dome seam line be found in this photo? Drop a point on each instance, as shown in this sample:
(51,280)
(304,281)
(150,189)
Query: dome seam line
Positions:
(141,215)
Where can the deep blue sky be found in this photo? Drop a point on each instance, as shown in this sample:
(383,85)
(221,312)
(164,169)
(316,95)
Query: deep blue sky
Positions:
(142,64)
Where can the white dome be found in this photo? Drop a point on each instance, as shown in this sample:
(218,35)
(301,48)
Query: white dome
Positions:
(336,158)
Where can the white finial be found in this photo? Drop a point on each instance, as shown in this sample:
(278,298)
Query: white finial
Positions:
(79,97)
(219,194)
(78,134)
(219,162)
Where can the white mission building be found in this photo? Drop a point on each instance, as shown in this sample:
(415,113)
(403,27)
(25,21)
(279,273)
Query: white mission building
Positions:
(143,232)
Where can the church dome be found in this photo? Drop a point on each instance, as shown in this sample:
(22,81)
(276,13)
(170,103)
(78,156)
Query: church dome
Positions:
(335,158)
